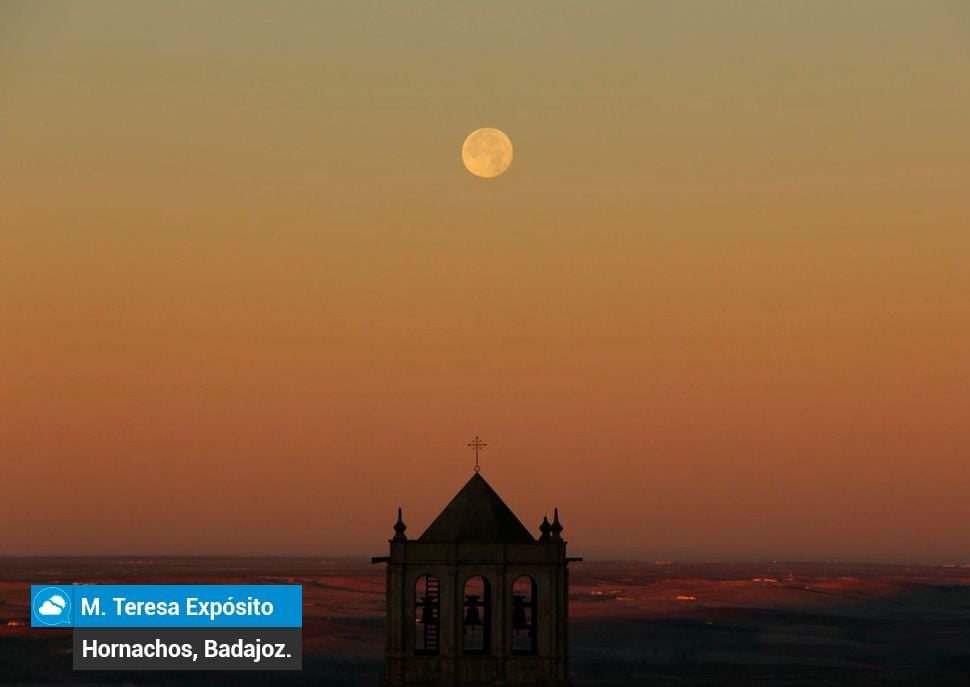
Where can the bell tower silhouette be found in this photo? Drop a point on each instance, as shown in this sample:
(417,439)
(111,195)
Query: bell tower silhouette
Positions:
(476,599)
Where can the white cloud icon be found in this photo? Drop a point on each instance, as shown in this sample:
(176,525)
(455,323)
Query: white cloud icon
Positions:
(53,606)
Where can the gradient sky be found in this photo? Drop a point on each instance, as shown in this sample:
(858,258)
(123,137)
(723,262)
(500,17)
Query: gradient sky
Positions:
(718,308)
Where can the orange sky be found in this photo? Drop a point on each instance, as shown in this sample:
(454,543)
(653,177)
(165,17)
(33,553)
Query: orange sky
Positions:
(250,302)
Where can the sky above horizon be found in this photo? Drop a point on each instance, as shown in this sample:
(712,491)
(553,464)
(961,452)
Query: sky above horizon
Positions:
(717,308)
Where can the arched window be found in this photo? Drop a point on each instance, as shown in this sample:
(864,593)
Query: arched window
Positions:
(427,604)
(524,616)
(477,617)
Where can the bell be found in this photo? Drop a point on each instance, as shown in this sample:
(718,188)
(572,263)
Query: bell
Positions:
(472,618)
(519,621)
(427,611)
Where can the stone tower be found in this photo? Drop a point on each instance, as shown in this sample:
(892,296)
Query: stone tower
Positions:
(476,599)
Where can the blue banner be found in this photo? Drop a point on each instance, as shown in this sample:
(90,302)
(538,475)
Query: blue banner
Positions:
(166,605)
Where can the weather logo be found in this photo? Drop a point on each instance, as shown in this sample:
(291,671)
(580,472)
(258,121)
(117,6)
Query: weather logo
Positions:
(52,606)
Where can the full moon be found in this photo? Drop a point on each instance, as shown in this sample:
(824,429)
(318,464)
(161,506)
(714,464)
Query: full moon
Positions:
(487,152)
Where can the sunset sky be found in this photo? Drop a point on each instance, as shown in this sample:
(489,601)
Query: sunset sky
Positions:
(718,307)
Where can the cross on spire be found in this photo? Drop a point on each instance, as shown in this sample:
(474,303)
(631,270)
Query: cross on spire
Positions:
(478,445)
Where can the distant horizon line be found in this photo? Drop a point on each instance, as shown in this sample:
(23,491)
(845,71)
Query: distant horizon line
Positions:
(659,561)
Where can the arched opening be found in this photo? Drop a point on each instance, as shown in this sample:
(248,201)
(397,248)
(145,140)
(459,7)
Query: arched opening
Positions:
(524,616)
(427,625)
(477,617)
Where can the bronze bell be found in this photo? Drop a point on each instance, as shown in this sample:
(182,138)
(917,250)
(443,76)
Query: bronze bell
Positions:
(519,621)
(427,611)
(472,618)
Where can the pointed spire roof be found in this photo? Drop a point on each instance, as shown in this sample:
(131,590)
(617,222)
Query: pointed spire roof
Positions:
(477,514)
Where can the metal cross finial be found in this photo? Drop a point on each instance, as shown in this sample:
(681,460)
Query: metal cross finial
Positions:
(478,445)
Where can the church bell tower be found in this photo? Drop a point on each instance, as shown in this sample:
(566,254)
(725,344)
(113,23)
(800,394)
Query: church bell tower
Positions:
(476,599)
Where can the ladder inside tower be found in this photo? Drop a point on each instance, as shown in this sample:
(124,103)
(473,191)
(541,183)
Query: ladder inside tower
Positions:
(431,629)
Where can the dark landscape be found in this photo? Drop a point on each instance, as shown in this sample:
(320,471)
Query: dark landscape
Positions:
(632,623)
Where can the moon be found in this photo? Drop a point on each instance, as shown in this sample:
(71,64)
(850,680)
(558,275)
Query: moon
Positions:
(487,152)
